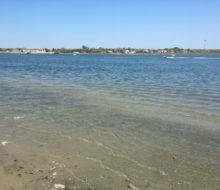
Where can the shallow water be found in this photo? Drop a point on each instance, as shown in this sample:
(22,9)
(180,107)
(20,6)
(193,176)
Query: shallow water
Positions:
(152,120)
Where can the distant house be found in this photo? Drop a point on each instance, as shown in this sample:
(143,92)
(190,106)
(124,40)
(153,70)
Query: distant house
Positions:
(162,51)
(146,50)
(127,51)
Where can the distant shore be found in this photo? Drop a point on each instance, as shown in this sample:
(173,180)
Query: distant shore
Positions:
(117,51)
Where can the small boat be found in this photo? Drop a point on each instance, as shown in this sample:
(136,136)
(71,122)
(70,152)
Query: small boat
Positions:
(172,56)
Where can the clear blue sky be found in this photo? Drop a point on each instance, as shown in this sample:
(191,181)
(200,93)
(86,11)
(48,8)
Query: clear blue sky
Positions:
(109,23)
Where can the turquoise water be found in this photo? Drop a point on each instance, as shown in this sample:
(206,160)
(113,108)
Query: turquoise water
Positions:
(139,108)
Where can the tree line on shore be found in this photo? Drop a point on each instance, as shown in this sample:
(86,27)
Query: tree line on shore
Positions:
(86,50)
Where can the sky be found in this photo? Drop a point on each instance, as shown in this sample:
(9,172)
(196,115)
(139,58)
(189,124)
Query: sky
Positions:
(110,23)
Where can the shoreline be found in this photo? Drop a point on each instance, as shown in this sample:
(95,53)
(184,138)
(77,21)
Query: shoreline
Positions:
(52,53)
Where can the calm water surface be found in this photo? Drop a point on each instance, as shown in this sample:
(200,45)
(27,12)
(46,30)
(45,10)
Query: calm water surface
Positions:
(153,119)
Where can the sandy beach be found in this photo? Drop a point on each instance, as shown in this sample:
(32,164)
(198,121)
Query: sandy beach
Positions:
(39,160)
(33,160)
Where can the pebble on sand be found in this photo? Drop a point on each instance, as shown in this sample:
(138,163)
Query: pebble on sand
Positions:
(18,117)
(54,173)
(3,143)
(59,186)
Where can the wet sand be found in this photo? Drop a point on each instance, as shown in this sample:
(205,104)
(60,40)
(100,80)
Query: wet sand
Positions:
(35,159)
(42,161)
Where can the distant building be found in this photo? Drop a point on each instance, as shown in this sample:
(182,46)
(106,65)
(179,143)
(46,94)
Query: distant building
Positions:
(127,51)
(146,50)
(162,51)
